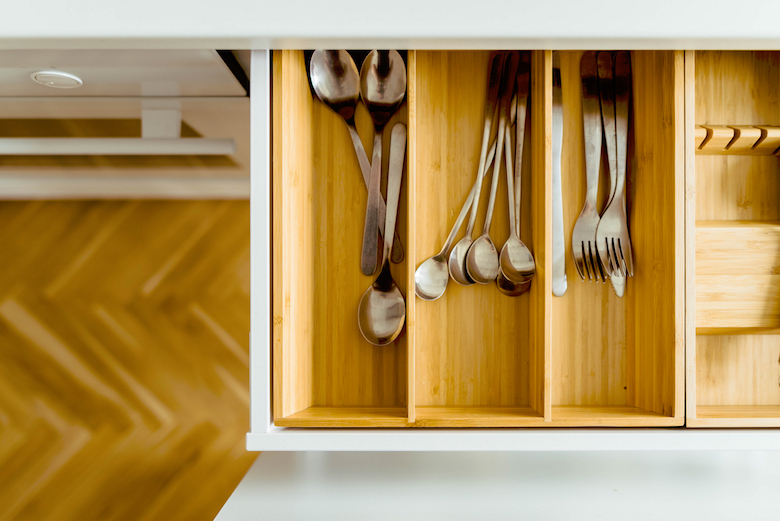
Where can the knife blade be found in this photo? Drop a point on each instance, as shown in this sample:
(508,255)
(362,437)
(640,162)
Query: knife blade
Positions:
(558,244)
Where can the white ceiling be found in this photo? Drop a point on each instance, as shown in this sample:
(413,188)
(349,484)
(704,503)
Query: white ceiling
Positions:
(120,73)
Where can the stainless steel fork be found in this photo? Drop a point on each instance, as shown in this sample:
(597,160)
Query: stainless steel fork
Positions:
(612,237)
(583,238)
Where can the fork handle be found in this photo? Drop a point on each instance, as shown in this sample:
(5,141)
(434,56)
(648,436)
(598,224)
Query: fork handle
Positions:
(591,124)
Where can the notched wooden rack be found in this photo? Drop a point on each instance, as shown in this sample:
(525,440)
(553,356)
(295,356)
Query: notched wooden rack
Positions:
(475,358)
(758,140)
(733,349)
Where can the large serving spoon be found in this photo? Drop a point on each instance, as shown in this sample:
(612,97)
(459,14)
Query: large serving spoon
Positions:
(517,262)
(336,82)
(382,309)
(383,87)
(482,257)
(457,260)
(430,279)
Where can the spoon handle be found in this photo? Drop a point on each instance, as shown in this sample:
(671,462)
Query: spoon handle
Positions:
(365,168)
(368,257)
(504,96)
(510,181)
(394,174)
(491,112)
(523,89)
(465,208)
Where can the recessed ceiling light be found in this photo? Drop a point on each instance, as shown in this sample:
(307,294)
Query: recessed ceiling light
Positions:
(56,79)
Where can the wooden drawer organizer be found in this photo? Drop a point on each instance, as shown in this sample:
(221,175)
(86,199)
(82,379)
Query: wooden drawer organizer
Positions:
(734,353)
(475,358)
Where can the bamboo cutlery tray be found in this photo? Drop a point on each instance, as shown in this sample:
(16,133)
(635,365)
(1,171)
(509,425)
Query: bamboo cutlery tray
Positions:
(477,358)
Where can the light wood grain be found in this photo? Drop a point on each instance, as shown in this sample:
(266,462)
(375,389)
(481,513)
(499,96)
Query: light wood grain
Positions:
(609,351)
(611,416)
(738,370)
(731,416)
(124,381)
(718,138)
(770,140)
(745,138)
(700,132)
(733,379)
(474,348)
(692,141)
(737,279)
(320,357)
(411,237)
(346,417)
(691,163)
(481,416)
(541,214)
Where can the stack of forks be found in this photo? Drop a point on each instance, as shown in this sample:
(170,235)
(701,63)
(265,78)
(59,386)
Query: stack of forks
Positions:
(601,244)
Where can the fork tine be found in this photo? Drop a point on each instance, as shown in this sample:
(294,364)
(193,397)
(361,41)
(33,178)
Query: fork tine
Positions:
(602,251)
(617,257)
(628,258)
(594,263)
(585,262)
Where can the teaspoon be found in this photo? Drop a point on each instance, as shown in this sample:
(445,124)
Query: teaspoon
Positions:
(382,309)
(430,279)
(383,87)
(482,257)
(517,262)
(336,82)
(457,260)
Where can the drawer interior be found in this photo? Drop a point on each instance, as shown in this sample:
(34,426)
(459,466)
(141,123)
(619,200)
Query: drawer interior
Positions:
(617,358)
(475,358)
(737,246)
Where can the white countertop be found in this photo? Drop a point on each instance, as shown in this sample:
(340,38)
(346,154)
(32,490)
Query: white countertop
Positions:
(580,486)
(258,24)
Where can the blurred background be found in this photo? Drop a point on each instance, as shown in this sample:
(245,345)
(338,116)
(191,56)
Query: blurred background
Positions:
(124,285)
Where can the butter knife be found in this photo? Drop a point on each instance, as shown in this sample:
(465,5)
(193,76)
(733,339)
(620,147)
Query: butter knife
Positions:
(558,244)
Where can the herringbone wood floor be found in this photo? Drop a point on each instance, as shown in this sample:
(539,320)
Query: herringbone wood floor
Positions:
(123,359)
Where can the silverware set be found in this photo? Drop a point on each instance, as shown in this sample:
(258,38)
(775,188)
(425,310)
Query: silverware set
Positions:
(381,85)
(477,260)
(601,244)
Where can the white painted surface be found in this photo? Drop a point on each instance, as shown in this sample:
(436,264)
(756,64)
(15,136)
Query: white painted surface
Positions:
(73,146)
(523,440)
(120,72)
(264,24)
(260,215)
(43,187)
(712,486)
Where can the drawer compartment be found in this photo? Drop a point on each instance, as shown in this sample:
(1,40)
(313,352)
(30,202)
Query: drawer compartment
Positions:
(475,357)
(734,377)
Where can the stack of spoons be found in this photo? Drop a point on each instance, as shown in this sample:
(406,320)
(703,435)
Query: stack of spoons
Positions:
(477,260)
(381,84)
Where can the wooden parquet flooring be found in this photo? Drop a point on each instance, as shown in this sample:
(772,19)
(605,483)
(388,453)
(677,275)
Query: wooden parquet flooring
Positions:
(124,381)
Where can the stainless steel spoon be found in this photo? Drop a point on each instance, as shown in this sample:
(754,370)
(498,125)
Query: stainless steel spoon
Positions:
(430,279)
(383,87)
(482,257)
(382,309)
(336,81)
(517,262)
(457,260)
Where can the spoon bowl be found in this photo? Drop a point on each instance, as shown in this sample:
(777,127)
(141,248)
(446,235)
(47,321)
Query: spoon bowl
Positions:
(382,310)
(482,260)
(517,262)
(509,288)
(457,262)
(430,279)
(383,84)
(336,81)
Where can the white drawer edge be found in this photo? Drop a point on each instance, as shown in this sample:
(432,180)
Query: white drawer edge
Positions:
(533,440)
